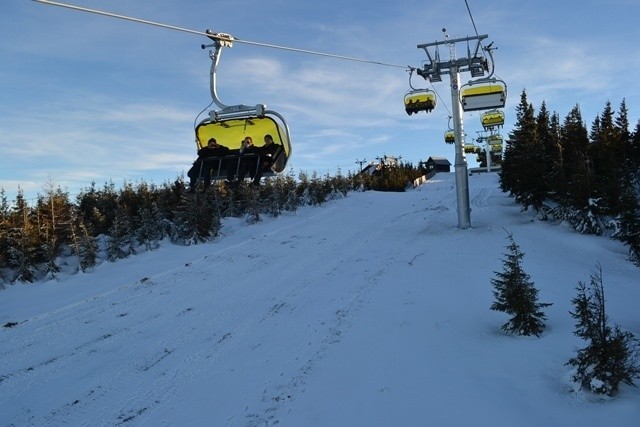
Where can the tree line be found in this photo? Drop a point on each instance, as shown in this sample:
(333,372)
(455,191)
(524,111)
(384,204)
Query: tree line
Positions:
(587,177)
(57,233)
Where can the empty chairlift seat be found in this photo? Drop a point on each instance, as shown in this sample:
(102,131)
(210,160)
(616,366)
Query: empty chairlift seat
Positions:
(495,142)
(483,95)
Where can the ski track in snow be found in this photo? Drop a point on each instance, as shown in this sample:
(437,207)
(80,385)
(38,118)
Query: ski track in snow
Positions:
(186,325)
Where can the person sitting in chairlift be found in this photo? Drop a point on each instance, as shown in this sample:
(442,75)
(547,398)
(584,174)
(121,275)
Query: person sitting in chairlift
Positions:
(268,153)
(203,168)
(248,160)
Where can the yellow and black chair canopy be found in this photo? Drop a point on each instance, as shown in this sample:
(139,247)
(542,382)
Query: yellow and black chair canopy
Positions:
(449,137)
(419,100)
(231,133)
(493,118)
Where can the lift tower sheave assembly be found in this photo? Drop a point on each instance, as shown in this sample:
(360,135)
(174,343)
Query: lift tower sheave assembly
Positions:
(476,64)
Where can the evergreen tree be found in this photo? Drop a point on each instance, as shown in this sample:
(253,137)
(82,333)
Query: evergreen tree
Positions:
(4,231)
(54,213)
(556,182)
(84,244)
(291,200)
(318,189)
(628,221)
(88,249)
(518,169)
(588,219)
(517,296)
(195,220)
(120,244)
(611,356)
(19,255)
(624,136)
(340,183)
(602,137)
(549,185)
(535,182)
(254,204)
(229,208)
(149,231)
(609,139)
(302,189)
(22,241)
(577,166)
(276,201)
(634,149)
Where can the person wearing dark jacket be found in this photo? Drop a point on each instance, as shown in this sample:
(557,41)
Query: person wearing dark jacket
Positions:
(202,168)
(248,160)
(268,153)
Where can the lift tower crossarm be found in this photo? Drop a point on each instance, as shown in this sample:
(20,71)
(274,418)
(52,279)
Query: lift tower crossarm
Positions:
(458,40)
(462,64)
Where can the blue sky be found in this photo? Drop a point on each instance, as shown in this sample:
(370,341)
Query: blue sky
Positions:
(88,98)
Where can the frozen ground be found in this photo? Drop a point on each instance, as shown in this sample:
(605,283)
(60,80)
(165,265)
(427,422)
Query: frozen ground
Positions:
(370,310)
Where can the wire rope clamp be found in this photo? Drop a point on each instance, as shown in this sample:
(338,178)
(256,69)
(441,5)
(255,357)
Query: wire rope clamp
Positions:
(223,39)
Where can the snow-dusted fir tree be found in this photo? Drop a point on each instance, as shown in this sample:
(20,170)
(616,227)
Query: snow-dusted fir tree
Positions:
(149,231)
(611,357)
(121,242)
(196,219)
(516,295)
(87,248)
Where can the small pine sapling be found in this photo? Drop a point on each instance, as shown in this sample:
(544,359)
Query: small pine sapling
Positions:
(517,296)
(611,357)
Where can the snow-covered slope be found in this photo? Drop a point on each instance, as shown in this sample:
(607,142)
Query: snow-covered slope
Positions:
(370,310)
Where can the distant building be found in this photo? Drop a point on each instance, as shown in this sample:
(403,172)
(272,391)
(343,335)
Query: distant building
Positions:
(437,164)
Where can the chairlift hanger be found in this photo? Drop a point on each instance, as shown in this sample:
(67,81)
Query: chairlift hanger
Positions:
(487,93)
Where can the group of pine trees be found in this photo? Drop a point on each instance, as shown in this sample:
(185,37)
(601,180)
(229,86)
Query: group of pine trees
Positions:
(611,357)
(57,233)
(590,178)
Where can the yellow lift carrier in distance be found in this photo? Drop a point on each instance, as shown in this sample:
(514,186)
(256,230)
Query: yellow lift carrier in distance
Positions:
(419,100)
(492,119)
(450,137)
(495,142)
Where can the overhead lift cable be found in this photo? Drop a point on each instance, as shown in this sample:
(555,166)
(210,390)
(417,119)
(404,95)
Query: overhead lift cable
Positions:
(213,36)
